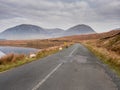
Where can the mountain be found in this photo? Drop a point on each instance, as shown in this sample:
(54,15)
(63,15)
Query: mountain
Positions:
(24,31)
(94,36)
(27,31)
(79,29)
(55,30)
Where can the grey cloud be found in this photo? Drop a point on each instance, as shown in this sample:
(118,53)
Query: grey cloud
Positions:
(61,11)
(108,9)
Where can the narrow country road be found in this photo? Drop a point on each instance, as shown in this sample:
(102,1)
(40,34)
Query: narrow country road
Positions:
(74,68)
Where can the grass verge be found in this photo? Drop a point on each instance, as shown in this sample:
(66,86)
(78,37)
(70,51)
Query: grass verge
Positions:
(107,57)
(14,60)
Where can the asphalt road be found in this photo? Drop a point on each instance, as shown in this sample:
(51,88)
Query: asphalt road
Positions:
(74,68)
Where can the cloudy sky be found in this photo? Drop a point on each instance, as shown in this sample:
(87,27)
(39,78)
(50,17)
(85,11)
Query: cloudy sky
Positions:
(101,15)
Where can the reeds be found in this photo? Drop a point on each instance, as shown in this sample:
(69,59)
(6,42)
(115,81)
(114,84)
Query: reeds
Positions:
(9,58)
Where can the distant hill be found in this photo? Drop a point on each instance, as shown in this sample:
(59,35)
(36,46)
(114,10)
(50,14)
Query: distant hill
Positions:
(23,31)
(38,43)
(55,32)
(79,29)
(90,36)
(27,31)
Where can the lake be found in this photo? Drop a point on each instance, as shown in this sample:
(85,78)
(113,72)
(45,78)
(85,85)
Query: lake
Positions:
(17,50)
(2,54)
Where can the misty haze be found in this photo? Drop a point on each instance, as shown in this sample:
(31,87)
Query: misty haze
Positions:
(60,45)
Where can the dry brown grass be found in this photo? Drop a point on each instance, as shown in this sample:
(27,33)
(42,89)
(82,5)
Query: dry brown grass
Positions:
(10,58)
(40,44)
(110,54)
(109,57)
(46,43)
(77,38)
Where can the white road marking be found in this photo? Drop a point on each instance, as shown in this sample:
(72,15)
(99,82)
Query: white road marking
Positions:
(43,80)
(72,52)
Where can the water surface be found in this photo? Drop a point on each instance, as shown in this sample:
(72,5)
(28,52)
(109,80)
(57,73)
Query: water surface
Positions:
(2,54)
(17,50)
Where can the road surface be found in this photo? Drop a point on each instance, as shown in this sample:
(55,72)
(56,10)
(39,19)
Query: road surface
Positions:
(74,68)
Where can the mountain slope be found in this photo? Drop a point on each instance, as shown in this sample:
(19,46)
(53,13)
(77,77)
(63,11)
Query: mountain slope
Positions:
(107,48)
(90,36)
(27,31)
(55,30)
(24,31)
(111,42)
(79,29)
